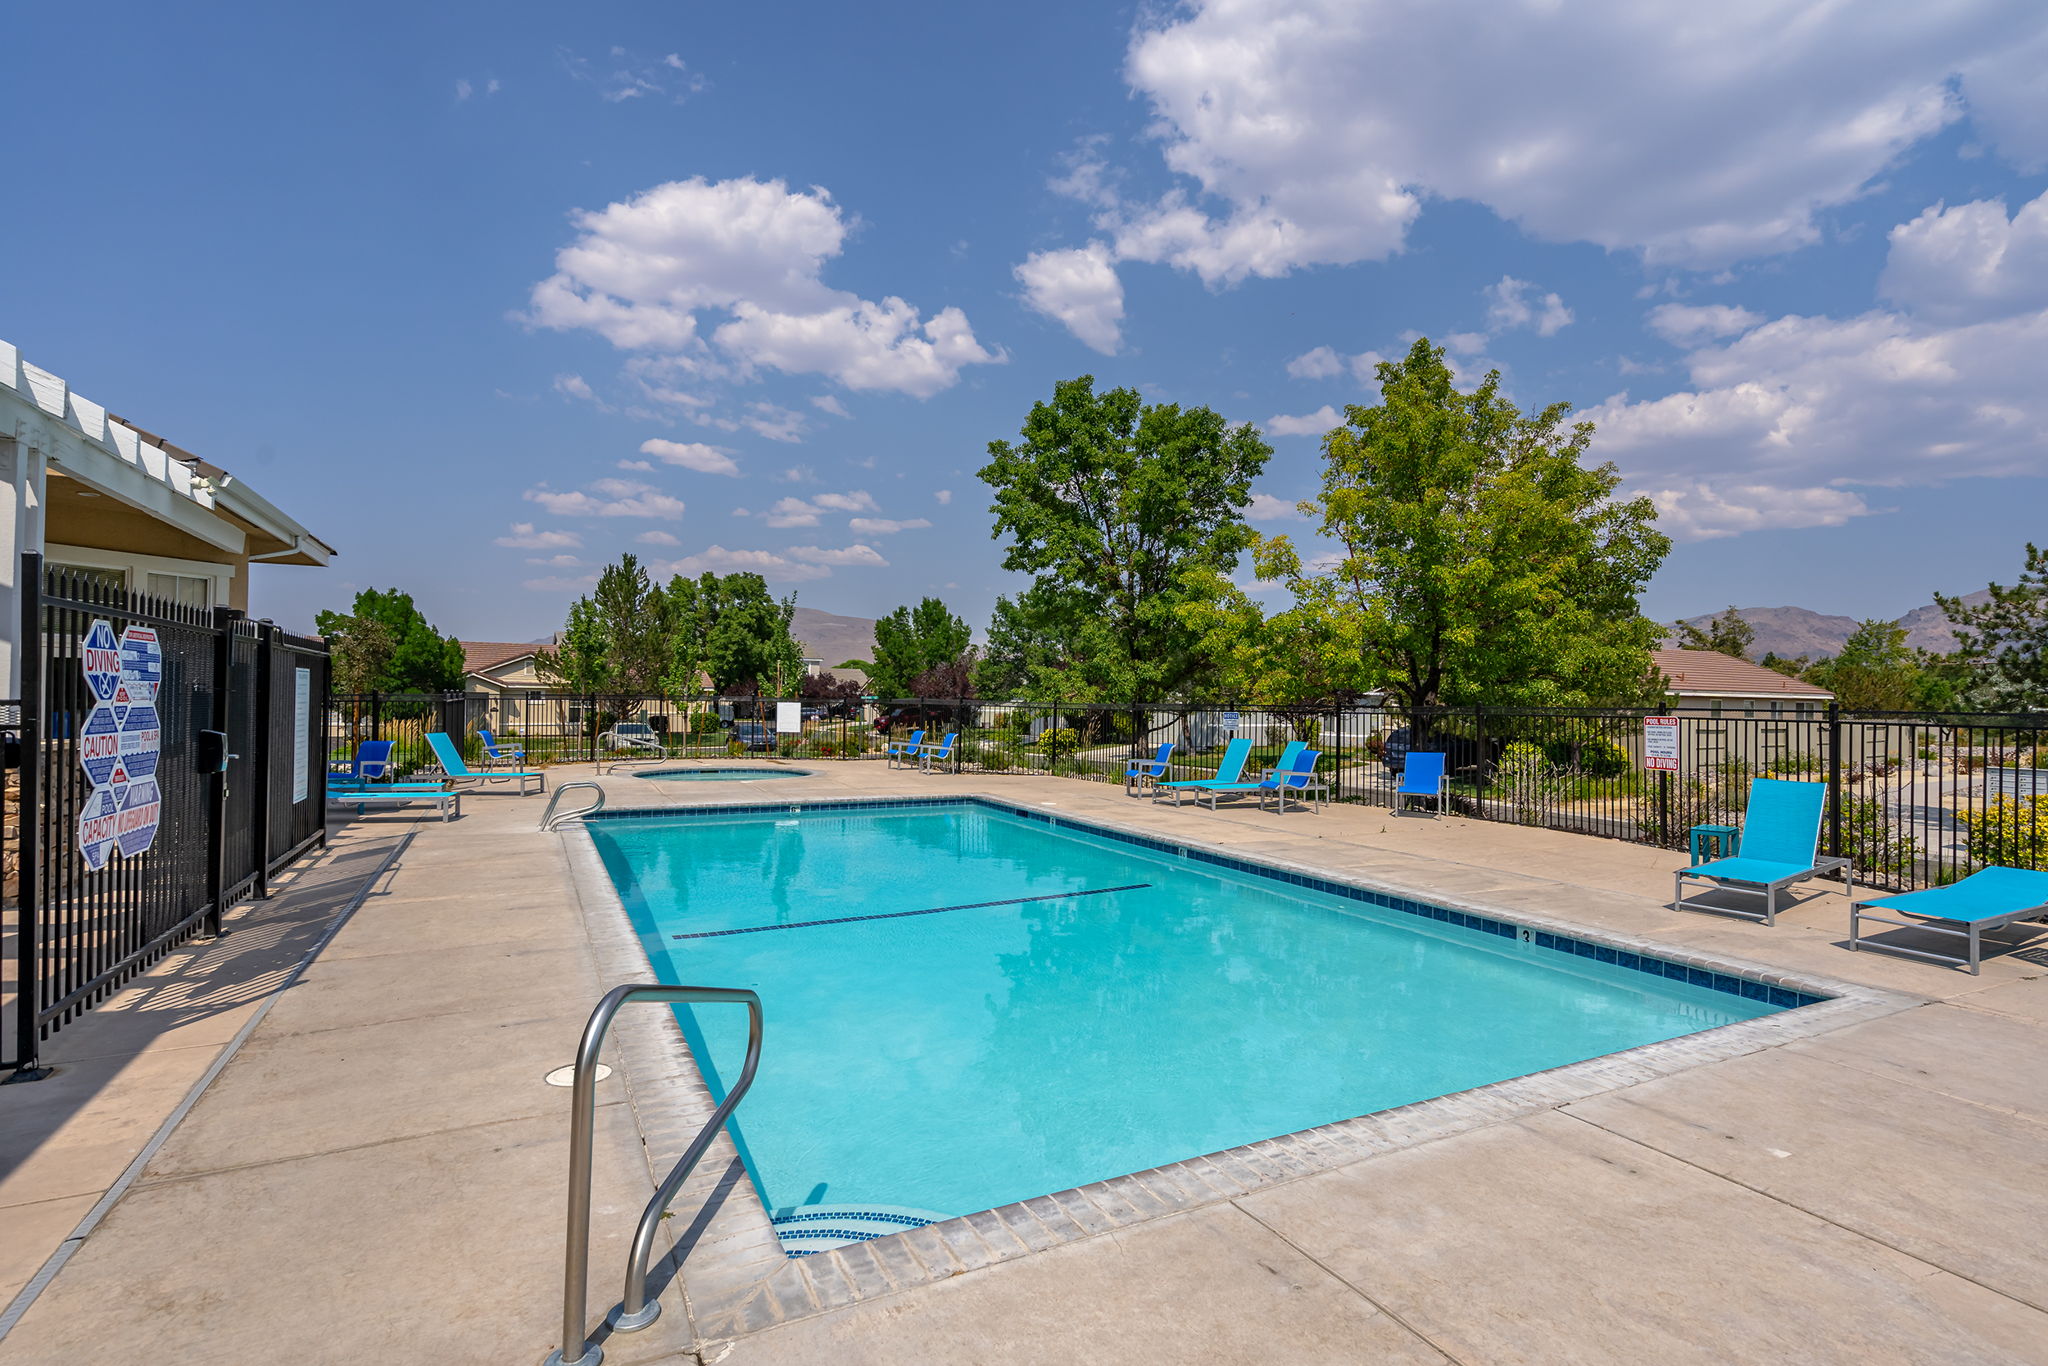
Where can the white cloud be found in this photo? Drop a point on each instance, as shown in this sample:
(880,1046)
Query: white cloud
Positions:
(827,403)
(1970,263)
(789,512)
(775,423)
(1690,324)
(560,583)
(627,76)
(656,538)
(1087,175)
(878,526)
(637,466)
(944,496)
(463,90)
(860,500)
(524,537)
(1078,287)
(1511,305)
(556,561)
(1326,363)
(1307,424)
(692,455)
(608,498)
(864,555)
(1266,508)
(641,271)
(575,386)
(1311,132)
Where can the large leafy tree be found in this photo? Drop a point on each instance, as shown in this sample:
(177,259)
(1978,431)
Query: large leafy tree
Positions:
(747,647)
(1111,502)
(418,658)
(618,641)
(910,641)
(1876,670)
(1727,634)
(1482,560)
(1034,640)
(2003,641)
(1296,659)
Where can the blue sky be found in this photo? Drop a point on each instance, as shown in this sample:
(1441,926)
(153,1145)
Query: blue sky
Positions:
(486,295)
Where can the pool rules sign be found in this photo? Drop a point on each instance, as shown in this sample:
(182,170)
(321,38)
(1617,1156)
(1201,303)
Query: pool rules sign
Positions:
(120,742)
(1660,744)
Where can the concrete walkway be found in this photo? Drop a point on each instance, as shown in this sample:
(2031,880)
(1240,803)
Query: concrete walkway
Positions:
(378,1172)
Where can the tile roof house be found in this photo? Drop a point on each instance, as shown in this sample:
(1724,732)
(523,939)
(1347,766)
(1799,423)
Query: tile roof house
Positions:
(1706,680)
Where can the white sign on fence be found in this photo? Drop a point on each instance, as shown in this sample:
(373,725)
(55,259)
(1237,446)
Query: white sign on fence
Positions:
(1230,721)
(1660,743)
(302,721)
(789,717)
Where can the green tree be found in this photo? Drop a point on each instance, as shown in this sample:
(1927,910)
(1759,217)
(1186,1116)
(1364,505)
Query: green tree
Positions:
(1112,501)
(1876,670)
(421,659)
(1032,648)
(1297,660)
(1727,634)
(747,646)
(361,648)
(1482,561)
(1792,667)
(618,642)
(2003,642)
(910,641)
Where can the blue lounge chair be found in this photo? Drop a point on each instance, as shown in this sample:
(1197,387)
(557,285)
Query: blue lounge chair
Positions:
(1216,790)
(450,759)
(1422,775)
(1987,899)
(510,754)
(1300,778)
(939,753)
(1229,771)
(372,761)
(343,790)
(905,751)
(1780,846)
(1142,771)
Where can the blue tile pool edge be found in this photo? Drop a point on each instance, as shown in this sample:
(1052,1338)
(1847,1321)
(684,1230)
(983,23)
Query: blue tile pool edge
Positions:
(739,1282)
(1753,988)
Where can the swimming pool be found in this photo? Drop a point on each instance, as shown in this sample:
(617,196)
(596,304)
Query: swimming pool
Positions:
(970,1004)
(721,775)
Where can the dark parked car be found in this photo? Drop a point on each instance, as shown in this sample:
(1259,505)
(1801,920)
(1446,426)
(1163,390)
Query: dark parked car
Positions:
(752,735)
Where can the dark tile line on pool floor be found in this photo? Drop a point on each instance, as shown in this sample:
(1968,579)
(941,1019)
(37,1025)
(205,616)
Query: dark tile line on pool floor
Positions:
(738,1280)
(1727,983)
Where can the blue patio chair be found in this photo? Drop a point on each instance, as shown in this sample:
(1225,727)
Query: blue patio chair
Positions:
(1422,775)
(1229,771)
(1216,790)
(1142,771)
(493,755)
(1300,778)
(939,753)
(372,762)
(450,759)
(1988,899)
(906,751)
(1780,846)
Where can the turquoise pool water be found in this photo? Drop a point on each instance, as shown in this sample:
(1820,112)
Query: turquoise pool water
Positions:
(1094,1008)
(721,775)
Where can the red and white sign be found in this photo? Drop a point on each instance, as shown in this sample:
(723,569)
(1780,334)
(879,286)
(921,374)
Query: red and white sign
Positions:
(1660,743)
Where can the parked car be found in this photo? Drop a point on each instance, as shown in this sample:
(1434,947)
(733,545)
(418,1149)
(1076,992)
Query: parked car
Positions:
(752,735)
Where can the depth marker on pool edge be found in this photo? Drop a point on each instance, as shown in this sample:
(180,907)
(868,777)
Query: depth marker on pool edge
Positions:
(898,915)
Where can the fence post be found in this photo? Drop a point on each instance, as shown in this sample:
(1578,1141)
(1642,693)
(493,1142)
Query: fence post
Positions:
(1834,779)
(29,826)
(1664,808)
(266,646)
(1479,776)
(217,837)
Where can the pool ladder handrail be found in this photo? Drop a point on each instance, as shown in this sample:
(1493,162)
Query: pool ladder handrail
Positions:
(635,1310)
(549,820)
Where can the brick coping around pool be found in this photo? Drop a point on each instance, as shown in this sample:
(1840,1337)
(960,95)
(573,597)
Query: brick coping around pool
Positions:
(736,1280)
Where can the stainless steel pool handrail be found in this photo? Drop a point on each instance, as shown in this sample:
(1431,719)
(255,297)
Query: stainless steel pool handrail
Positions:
(548,819)
(635,1310)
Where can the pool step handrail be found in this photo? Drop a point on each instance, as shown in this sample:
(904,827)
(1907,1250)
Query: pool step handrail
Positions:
(549,820)
(635,1310)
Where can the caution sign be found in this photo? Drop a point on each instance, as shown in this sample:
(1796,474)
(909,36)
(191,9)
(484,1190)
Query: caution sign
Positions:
(101,655)
(99,745)
(142,665)
(98,832)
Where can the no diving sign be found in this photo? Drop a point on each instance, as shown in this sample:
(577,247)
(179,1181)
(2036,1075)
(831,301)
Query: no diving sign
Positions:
(120,742)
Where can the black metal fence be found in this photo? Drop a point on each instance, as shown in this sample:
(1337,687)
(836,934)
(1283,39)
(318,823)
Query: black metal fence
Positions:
(170,761)
(1914,800)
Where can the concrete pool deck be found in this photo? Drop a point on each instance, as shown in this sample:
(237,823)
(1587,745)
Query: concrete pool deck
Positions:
(379,1172)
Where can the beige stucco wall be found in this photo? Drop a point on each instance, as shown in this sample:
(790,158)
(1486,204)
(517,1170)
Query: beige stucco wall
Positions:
(122,531)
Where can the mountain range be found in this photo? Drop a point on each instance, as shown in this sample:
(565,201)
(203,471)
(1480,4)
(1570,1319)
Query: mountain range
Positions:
(831,637)
(1793,631)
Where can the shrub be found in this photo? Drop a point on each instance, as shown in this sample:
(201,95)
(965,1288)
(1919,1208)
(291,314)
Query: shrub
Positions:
(2012,831)
(1061,742)
(1524,772)
(1794,763)
(705,722)
(1875,847)
(1601,757)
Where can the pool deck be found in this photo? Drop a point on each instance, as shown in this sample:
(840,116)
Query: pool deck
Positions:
(374,1170)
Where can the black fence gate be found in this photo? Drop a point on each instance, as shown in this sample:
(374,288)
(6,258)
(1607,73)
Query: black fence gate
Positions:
(169,760)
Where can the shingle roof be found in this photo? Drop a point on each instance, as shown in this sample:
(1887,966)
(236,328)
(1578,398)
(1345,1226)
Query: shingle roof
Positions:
(1712,674)
(481,655)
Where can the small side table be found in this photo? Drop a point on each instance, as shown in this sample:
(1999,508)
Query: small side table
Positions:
(1726,842)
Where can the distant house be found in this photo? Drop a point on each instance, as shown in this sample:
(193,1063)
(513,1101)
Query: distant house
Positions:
(502,670)
(1722,685)
(98,494)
